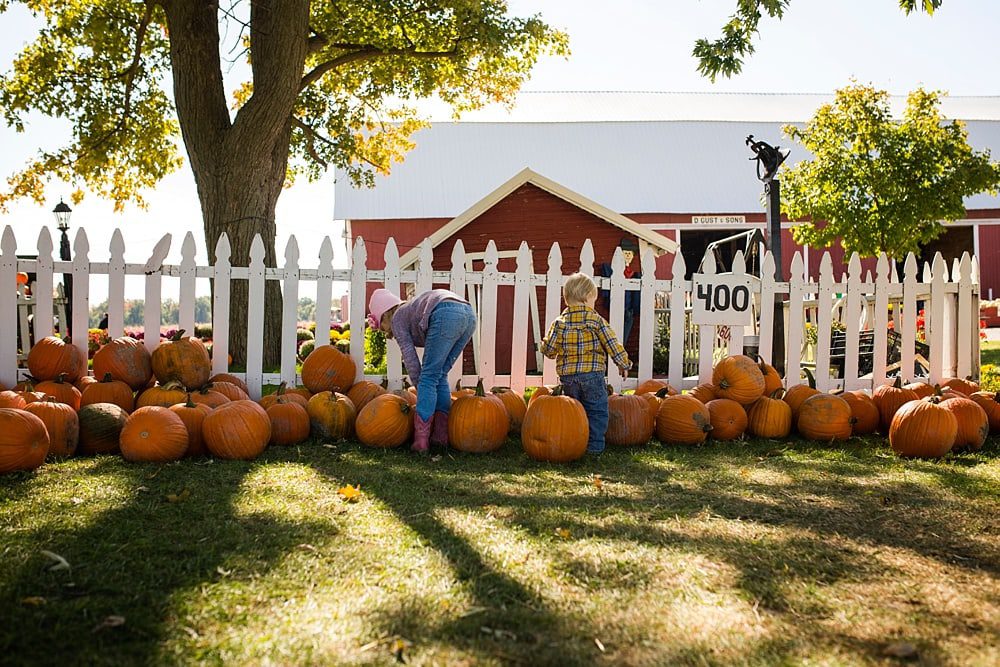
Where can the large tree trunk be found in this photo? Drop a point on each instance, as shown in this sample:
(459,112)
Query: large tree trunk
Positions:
(239,164)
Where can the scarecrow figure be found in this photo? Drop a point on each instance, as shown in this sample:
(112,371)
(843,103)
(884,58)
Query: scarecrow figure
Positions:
(630,248)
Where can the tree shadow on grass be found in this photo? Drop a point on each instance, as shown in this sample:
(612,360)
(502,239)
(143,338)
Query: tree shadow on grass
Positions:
(173,528)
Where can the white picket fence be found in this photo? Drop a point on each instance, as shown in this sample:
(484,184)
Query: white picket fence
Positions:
(950,300)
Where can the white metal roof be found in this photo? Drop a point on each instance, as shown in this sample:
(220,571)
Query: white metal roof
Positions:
(630,152)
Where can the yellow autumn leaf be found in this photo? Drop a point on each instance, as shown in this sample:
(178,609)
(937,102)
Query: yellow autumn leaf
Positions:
(350,493)
(34,601)
(563,533)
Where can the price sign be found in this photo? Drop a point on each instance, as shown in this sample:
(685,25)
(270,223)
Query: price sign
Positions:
(722,299)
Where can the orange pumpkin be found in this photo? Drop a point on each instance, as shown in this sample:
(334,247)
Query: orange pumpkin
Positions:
(798,393)
(825,417)
(207,395)
(653,386)
(236,430)
(284,394)
(964,387)
(12,399)
(973,424)
(61,423)
(772,379)
(538,392)
(704,392)
(231,391)
(990,403)
(230,378)
(61,390)
(331,415)
(738,378)
(682,420)
(387,421)
(923,428)
(127,360)
(328,369)
(85,381)
(770,417)
(921,389)
(100,427)
(728,418)
(24,442)
(153,434)
(289,421)
(51,356)
(193,415)
(864,412)
(362,392)
(515,406)
(26,390)
(182,359)
(109,390)
(555,428)
(652,404)
(630,420)
(889,398)
(478,423)
(164,395)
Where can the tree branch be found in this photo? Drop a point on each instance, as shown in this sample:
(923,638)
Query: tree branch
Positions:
(367,52)
(311,136)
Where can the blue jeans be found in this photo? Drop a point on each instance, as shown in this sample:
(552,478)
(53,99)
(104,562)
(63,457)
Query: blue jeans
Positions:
(449,330)
(591,389)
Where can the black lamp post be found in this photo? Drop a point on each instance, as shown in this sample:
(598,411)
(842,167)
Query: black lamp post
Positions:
(768,159)
(63,213)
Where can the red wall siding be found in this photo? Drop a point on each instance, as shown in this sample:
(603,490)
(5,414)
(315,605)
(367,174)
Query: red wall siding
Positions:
(989,261)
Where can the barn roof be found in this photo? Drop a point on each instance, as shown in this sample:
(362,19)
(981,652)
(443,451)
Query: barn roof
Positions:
(632,152)
(525,176)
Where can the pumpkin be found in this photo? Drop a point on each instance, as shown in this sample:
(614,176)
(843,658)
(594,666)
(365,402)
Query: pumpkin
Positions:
(798,393)
(653,386)
(12,399)
(921,389)
(362,392)
(328,369)
(387,421)
(283,393)
(61,423)
(153,434)
(24,442)
(109,390)
(770,417)
(728,418)
(990,403)
(652,404)
(682,420)
(331,415)
(461,391)
(85,381)
(923,428)
(864,412)
(289,421)
(825,417)
(555,428)
(538,392)
(964,387)
(164,395)
(973,424)
(408,394)
(236,430)
(738,378)
(232,379)
(52,356)
(299,391)
(100,427)
(193,415)
(478,423)
(631,421)
(26,390)
(61,390)
(514,403)
(704,392)
(889,398)
(231,391)
(772,379)
(127,360)
(207,395)
(182,359)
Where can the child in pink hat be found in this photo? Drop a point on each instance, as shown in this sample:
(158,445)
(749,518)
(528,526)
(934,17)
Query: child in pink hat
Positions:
(442,323)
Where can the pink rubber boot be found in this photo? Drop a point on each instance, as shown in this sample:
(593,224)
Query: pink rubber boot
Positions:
(439,429)
(421,434)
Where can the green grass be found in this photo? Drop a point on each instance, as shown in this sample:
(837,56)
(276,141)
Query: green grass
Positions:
(750,553)
(989,352)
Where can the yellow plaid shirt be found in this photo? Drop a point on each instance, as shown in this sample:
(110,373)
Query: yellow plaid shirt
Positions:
(580,341)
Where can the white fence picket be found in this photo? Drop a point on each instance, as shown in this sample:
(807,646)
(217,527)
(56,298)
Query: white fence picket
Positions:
(647,295)
(936,327)
(290,312)
(587,258)
(394,360)
(425,267)
(706,332)
(116,286)
(824,323)
(519,326)
(8,304)
(736,332)
(187,291)
(80,325)
(852,320)
(678,293)
(42,290)
(458,286)
(488,305)
(151,311)
(880,325)
(222,276)
(765,346)
(617,311)
(909,317)
(797,288)
(358,305)
(324,295)
(255,318)
(553,296)
(967,340)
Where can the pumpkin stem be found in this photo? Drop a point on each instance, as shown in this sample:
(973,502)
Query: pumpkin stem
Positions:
(662,393)
(107,378)
(810,378)
(61,378)
(778,393)
(898,384)
(385,383)
(479,388)
(557,390)
(177,336)
(609,389)
(189,403)
(281,388)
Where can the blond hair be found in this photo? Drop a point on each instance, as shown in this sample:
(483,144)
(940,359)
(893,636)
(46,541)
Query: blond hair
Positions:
(578,288)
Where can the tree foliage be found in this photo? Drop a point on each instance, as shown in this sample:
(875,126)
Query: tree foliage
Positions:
(881,184)
(725,55)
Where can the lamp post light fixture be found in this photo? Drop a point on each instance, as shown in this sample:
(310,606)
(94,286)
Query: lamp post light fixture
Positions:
(62,213)
(768,159)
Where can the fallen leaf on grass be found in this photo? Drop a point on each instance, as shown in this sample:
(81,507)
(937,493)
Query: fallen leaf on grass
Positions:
(398,647)
(598,482)
(563,533)
(178,497)
(61,563)
(34,601)
(435,458)
(109,622)
(600,645)
(349,493)
(307,547)
(902,650)
(223,572)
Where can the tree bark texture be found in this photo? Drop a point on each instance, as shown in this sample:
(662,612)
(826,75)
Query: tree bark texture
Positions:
(239,163)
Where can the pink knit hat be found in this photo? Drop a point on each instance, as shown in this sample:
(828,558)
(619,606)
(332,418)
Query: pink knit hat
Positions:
(381,301)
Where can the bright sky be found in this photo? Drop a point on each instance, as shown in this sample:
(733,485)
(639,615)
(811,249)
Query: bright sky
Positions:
(639,45)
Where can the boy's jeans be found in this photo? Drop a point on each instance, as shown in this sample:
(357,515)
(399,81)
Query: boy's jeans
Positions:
(591,389)
(449,330)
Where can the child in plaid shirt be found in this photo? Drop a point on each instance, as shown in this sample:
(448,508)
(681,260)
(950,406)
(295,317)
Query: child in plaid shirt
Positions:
(580,341)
